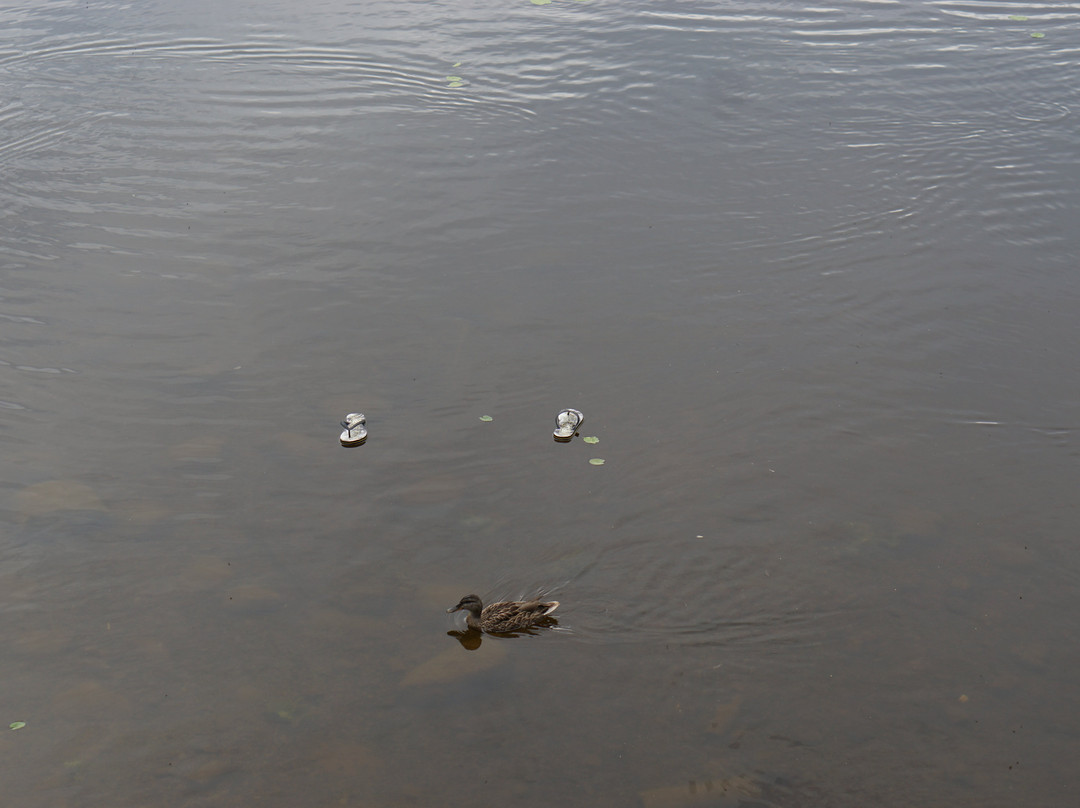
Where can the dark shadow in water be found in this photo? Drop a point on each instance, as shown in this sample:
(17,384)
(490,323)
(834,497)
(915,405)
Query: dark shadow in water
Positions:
(471,638)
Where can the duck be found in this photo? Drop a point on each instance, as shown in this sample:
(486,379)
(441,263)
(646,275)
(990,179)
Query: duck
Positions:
(505,616)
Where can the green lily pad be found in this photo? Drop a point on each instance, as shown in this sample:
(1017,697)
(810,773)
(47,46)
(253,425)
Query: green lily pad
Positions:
(1038,36)
(597,461)
(1018,18)
(540,2)
(456,84)
(456,64)
(591,439)
(17,724)
(486,418)
(454,78)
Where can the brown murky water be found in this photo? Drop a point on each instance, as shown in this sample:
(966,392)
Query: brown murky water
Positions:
(809,273)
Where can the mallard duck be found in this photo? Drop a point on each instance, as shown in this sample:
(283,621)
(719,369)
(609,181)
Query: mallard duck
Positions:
(500,618)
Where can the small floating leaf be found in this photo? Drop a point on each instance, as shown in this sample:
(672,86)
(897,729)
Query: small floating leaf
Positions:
(486,418)
(454,78)
(597,461)
(540,2)
(591,439)
(1038,36)
(456,64)
(1018,18)
(17,724)
(456,84)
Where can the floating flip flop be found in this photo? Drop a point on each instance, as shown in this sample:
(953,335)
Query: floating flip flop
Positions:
(355,432)
(567,423)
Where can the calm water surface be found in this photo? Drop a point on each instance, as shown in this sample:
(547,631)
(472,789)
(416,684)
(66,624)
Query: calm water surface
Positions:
(810,272)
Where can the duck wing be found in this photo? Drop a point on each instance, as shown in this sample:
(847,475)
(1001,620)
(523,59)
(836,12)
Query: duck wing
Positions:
(510,616)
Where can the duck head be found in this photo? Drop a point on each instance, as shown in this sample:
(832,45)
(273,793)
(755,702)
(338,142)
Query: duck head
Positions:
(469,603)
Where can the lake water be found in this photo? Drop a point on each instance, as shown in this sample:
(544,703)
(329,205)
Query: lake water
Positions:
(809,272)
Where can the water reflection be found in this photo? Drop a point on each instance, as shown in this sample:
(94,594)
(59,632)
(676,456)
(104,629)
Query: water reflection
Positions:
(470,639)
